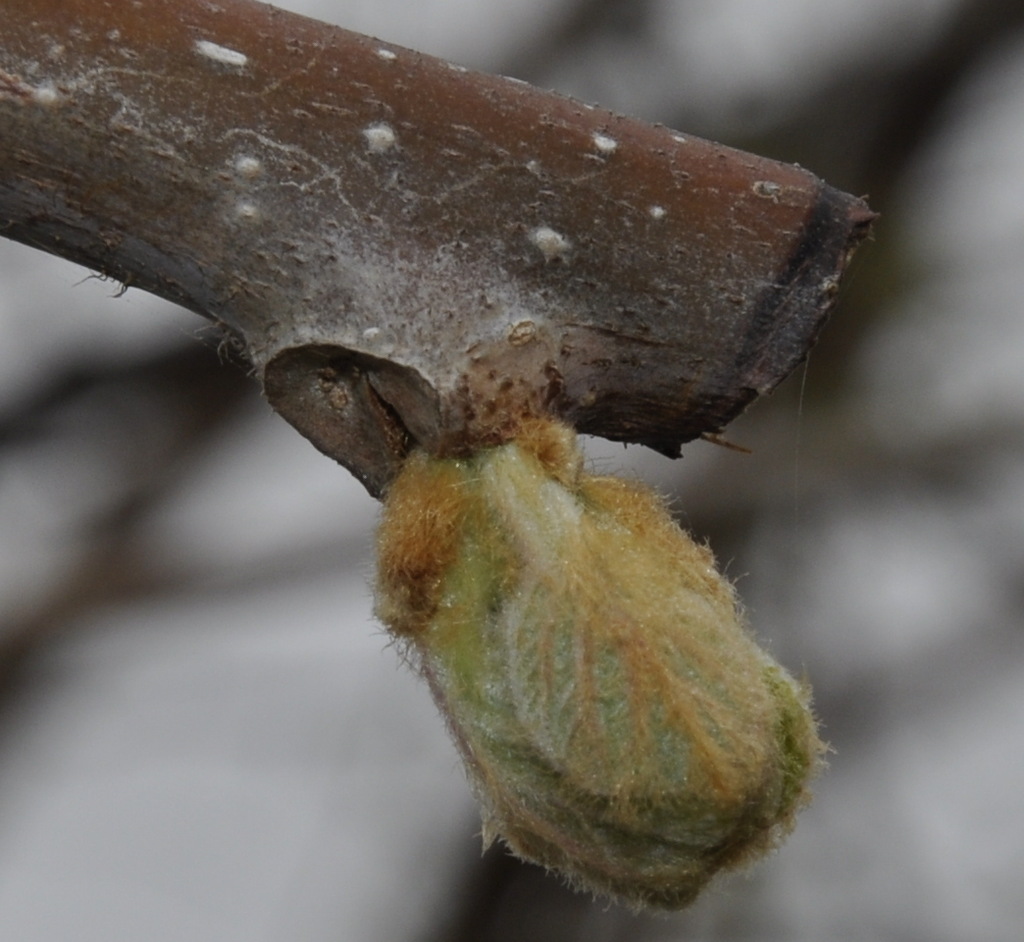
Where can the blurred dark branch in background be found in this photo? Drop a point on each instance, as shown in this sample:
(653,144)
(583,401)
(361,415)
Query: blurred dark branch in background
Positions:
(865,127)
(580,23)
(170,408)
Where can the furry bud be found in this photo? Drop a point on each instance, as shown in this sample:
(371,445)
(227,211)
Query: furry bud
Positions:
(616,720)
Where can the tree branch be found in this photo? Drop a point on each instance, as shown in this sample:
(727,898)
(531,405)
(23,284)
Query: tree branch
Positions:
(411,253)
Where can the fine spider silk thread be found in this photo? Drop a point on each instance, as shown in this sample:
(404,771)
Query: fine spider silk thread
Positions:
(616,720)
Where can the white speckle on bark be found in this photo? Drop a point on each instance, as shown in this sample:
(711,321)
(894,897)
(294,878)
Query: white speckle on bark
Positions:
(534,167)
(456,68)
(46,95)
(657,212)
(553,245)
(380,137)
(605,144)
(247,211)
(246,166)
(678,138)
(221,54)
(387,54)
(371,333)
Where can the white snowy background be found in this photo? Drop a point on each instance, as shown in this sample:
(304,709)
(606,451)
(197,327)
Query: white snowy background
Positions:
(237,755)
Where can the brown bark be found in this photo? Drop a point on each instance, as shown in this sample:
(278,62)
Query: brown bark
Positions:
(411,253)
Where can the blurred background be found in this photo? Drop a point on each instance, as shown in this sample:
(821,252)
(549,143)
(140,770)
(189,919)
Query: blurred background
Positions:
(205,736)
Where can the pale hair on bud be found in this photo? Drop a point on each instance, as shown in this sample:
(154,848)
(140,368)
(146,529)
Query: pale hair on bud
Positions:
(617,721)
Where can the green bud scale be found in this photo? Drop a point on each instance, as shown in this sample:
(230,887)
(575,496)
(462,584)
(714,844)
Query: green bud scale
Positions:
(617,721)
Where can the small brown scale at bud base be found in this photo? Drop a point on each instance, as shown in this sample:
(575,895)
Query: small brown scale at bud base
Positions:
(616,719)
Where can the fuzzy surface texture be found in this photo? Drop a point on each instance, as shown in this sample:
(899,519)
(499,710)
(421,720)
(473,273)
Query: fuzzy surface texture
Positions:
(617,721)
